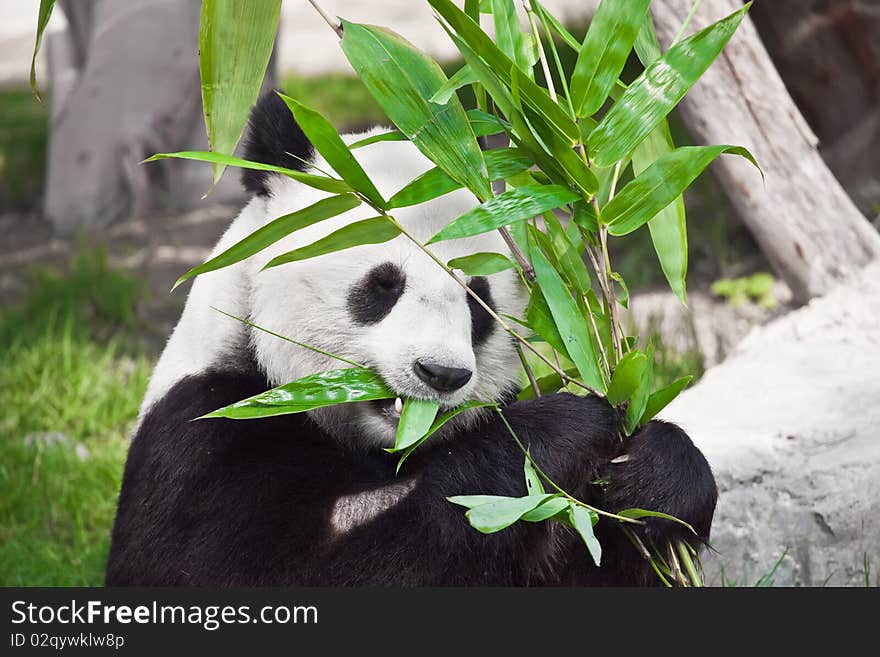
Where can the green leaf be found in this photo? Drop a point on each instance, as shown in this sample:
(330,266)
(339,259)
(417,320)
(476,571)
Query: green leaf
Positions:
(470,501)
(315,391)
(495,516)
(661,398)
(660,184)
(547,385)
(43,16)
(604,52)
(533,481)
(626,377)
(507,208)
(572,326)
(236,38)
(328,143)
(636,514)
(501,163)
(658,90)
(460,78)
(638,399)
(485,124)
(558,28)
(375,230)
(647,46)
(402,80)
(318,182)
(274,231)
(669,226)
(583,520)
(482,264)
(552,507)
(509,35)
(415,421)
(533,95)
(438,423)
(541,321)
(393,135)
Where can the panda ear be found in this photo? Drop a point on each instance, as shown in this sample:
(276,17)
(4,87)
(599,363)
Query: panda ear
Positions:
(273,137)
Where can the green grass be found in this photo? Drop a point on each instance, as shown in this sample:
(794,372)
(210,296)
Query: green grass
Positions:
(343,99)
(71,383)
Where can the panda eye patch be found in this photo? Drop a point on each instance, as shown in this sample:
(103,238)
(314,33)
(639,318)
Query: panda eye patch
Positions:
(373,297)
(482,323)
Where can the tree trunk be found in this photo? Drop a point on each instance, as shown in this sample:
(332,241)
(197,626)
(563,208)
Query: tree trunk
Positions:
(125,85)
(803,220)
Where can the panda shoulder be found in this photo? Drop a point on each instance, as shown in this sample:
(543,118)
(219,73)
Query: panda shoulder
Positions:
(273,137)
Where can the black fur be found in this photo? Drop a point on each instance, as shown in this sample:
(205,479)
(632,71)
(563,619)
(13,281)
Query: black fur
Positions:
(248,502)
(273,137)
(372,298)
(482,323)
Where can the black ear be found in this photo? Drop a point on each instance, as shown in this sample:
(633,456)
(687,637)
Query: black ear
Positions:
(273,137)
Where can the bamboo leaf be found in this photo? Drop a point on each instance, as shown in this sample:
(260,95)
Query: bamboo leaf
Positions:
(533,481)
(308,393)
(660,184)
(658,90)
(558,28)
(546,510)
(318,182)
(328,143)
(604,52)
(393,135)
(415,421)
(583,520)
(438,423)
(402,80)
(500,514)
(669,226)
(507,208)
(375,230)
(236,38)
(482,264)
(626,377)
(638,399)
(661,398)
(647,46)
(485,124)
(43,16)
(541,322)
(636,514)
(572,326)
(274,231)
(509,35)
(460,78)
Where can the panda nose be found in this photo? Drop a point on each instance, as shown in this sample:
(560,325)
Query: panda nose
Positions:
(443,379)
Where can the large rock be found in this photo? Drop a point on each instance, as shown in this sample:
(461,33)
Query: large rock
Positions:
(791,426)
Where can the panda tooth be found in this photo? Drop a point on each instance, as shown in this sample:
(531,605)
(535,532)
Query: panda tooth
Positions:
(398,405)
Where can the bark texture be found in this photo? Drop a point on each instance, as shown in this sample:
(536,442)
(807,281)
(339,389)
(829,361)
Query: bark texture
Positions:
(803,220)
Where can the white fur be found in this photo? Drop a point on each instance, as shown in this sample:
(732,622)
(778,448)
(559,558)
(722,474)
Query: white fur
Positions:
(306,300)
(351,511)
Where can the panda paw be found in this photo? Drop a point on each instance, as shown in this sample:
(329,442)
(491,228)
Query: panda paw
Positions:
(662,470)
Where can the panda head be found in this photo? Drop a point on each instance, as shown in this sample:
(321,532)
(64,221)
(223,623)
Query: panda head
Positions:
(388,306)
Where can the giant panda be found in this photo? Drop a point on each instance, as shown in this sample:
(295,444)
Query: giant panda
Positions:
(313,499)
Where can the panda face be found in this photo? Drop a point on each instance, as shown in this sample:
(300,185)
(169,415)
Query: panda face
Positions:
(387,306)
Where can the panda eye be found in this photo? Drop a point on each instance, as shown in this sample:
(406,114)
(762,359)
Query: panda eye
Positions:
(373,297)
(482,323)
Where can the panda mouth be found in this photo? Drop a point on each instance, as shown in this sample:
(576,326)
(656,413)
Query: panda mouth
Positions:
(389,409)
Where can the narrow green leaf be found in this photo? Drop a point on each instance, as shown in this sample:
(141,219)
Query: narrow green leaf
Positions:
(647,46)
(572,326)
(626,377)
(460,78)
(604,52)
(274,231)
(495,516)
(669,226)
(660,184)
(533,481)
(438,424)
(547,385)
(533,95)
(583,520)
(318,182)
(415,421)
(552,507)
(482,264)
(506,208)
(509,35)
(236,38)
(541,321)
(558,28)
(375,230)
(661,398)
(658,90)
(402,80)
(470,501)
(636,514)
(315,391)
(328,143)
(43,16)
(638,399)
(502,163)
(485,124)
(393,135)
